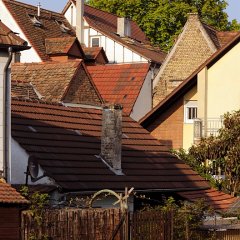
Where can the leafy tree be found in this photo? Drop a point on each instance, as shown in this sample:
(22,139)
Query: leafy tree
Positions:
(162,20)
(224,150)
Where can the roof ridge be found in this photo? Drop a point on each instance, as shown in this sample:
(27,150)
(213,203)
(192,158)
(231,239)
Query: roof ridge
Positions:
(29,6)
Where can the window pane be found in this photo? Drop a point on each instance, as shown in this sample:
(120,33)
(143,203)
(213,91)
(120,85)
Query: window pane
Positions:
(95,42)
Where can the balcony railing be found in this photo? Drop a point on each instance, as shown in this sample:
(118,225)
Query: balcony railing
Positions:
(207,128)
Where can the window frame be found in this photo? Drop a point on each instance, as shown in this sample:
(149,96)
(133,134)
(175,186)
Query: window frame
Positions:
(190,104)
(99,41)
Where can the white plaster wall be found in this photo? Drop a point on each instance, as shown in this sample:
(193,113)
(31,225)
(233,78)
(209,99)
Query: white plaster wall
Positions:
(3,60)
(5,16)
(115,51)
(143,103)
(19,162)
(223,84)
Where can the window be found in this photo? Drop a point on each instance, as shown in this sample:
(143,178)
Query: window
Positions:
(190,111)
(95,41)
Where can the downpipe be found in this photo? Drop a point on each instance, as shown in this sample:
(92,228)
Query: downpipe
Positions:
(6,115)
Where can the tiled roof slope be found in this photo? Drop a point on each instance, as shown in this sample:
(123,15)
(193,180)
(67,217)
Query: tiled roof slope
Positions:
(95,54)
(218,200)
(106,23)
(9,195)
(120,83)
(59,81)
(9,38)
(23,90)
(219,38)
(37,35)
(65,142)
(59,45)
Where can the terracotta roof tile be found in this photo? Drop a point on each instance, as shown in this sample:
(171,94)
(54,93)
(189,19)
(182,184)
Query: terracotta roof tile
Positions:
(69,158)
(59,45)
(120,83)
(218,200)
(9,38)
(53,80)
(9,195)
(51,25)
(219,38)
(23,90)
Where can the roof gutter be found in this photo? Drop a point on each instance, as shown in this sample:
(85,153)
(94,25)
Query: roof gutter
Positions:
(6,115)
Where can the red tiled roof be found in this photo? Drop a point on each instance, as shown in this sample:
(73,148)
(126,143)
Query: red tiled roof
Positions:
(66,141)
(92,53)
(120,83)
(9,38)
(9,195)
(218,200)
(59,45)
(53,79)
(23,90)
(36,35)
(106,23)
(219,38)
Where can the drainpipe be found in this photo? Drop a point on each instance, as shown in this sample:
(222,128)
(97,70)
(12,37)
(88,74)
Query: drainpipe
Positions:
(6,115)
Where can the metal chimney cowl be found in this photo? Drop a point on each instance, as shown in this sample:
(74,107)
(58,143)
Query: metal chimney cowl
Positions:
(111,139)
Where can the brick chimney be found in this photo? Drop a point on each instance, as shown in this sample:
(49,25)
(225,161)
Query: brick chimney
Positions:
(111,139)
(79,20)
(123,27)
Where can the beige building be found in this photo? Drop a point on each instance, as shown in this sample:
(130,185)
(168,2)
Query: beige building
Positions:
(194,46)
(196,107)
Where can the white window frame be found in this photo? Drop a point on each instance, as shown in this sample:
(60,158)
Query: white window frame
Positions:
(187,105)
(99,41)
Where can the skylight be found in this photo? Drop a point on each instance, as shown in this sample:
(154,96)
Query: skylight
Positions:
(36,22)
(63,27)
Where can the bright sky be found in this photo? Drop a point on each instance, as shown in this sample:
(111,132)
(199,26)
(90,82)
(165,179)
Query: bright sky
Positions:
(233,9)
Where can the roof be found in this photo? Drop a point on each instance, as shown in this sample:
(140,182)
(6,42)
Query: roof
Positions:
(9,38)
(188,83)
(51,25)
(219,38)
(66,143)
(23,90)
(106,23)
(218,200)
(54,80)
(92,53)
(120,83)
(9,195)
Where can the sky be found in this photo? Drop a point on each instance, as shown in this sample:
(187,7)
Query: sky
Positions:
(233,9)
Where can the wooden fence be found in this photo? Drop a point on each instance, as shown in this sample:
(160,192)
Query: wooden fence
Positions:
(228,234)
(151,225)
(74,224)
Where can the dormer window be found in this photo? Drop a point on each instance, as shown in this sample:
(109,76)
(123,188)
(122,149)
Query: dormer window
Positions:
(36,22)
(63,27)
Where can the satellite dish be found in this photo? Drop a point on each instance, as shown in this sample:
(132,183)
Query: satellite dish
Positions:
(33,167)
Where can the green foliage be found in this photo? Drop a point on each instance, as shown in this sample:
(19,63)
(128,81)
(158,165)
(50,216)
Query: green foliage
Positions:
(187,217)
(162,20)
(38,203)
(224,150)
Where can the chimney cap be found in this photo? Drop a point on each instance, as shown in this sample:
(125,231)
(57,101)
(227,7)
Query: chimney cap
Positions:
(115,106)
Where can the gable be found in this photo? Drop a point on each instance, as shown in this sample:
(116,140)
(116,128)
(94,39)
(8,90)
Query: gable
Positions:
(82,90)
(193,47)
